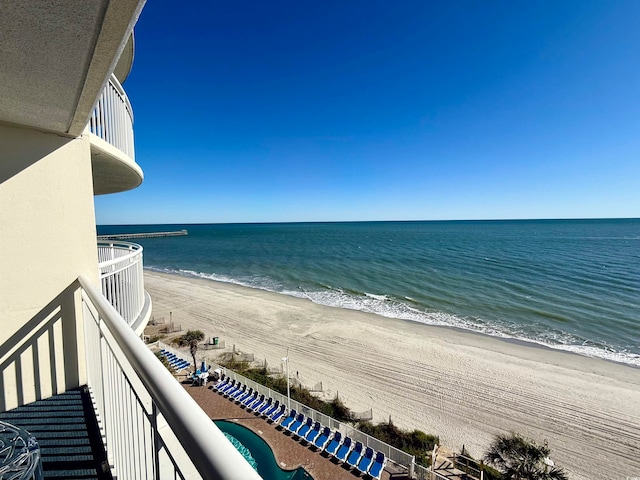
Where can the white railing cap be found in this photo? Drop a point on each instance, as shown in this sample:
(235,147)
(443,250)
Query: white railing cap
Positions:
(134,249)
(209,450)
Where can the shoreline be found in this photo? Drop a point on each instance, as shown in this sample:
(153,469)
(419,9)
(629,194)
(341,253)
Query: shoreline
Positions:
(508,339)
(461,385)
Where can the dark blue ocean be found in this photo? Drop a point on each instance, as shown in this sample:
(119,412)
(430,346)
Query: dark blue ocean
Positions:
(567,284)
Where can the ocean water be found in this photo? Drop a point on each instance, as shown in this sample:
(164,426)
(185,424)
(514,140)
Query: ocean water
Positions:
(567,284)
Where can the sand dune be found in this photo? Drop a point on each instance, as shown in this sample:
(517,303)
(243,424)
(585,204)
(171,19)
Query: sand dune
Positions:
(461,386)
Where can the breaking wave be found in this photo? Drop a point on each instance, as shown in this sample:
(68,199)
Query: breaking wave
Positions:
(407,308)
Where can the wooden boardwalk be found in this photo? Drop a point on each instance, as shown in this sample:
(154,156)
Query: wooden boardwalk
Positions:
(445,466)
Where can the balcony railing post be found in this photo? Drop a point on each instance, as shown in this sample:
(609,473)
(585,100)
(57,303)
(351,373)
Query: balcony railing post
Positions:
(112,118)
(157,445)
(139,387)
(102,380)
(121,273)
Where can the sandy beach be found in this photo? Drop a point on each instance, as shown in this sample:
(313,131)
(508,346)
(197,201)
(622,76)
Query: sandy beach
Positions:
(461,386)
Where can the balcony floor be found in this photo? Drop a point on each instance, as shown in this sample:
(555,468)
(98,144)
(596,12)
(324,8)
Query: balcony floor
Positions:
(67,432)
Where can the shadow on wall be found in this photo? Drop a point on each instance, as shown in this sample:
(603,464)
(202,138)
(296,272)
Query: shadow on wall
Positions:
(41,358)
(22,147)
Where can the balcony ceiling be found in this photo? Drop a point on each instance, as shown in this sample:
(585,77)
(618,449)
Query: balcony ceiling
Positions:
(56,57)
(112,171)
(123,67)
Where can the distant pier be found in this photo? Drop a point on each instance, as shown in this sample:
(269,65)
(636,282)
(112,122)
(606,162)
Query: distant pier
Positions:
(132,236)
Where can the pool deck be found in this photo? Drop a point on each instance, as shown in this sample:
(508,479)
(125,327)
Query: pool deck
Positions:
(289,453)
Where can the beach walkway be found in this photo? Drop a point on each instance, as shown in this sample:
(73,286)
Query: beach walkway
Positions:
(289,453)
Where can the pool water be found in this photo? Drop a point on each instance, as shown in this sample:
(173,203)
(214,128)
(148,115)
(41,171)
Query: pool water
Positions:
(260,453)
(244,451)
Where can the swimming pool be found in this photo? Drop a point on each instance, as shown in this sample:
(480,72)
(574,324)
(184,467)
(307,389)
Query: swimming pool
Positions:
(268,468)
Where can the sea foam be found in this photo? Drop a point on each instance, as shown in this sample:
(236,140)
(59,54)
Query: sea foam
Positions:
(387,306)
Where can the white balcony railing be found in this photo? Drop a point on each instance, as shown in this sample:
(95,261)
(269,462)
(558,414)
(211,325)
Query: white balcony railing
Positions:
(151,427)
(122,280)
(112,118)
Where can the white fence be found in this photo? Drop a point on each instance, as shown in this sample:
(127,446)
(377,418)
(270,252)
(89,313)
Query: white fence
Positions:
(424,473)
(122,279)
(395,455)
(151,427)
(112,118)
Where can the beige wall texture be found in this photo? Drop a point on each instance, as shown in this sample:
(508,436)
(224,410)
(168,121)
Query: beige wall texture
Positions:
(47,239)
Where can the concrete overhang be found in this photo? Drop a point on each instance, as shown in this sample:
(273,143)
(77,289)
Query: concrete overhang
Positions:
(56,57)
(113,170)
(123,67)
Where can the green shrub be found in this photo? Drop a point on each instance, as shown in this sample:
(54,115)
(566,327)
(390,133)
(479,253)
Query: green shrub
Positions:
(415,443)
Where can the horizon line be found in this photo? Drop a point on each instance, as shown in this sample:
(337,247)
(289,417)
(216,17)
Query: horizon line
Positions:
(372,221)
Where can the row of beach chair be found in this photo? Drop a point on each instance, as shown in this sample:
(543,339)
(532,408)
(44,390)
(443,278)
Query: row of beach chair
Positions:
(250,399)
(176,362)
(343,449)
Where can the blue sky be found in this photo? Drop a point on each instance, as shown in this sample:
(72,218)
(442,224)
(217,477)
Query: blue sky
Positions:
(378,110)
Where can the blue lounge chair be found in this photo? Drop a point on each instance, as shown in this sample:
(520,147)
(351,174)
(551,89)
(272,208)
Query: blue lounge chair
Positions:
(222,383)
(249,400)
(229,387)
(313,433)
(278,414)
(289,420)
(232,389)
(241,390)
(355,455)
(322,439)
(304,429)
(241,397)
(265,406)
(365,462)
(256,403)
(238,392)
(335,442)
(293,427)
(269,411)
(265,403)
(378,466)
(344,449)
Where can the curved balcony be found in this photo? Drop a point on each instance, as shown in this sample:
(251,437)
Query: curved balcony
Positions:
(110,131)
(122,281)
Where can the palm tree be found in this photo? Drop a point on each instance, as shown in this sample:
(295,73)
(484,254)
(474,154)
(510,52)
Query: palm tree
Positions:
(191,339)
(521,459)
